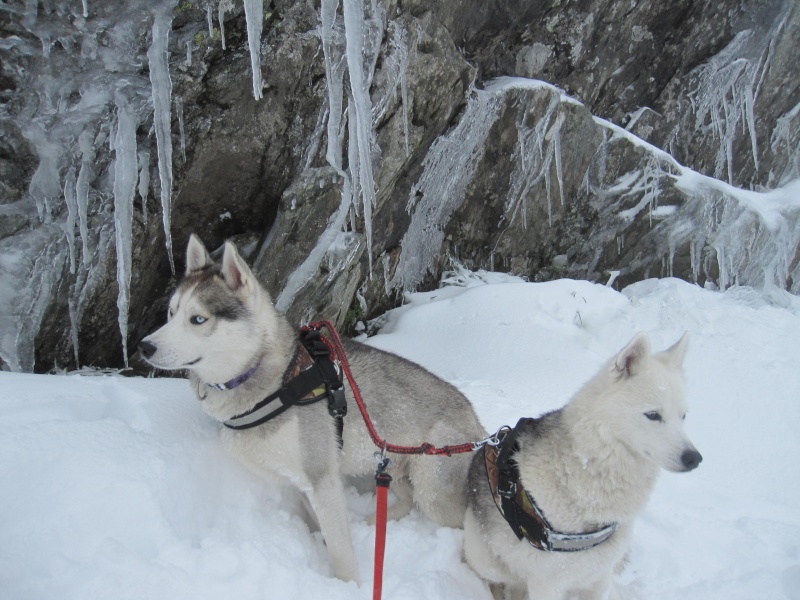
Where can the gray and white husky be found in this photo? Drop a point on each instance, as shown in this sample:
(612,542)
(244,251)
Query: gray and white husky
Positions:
(222,327)
(575,478)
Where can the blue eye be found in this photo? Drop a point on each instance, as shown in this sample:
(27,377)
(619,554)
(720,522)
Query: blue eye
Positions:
(653,415)
(197,320)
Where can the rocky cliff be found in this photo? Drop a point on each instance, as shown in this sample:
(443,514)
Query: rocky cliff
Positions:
(354,149)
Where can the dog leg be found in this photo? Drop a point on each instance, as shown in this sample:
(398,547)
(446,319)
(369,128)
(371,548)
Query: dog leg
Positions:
(328,501)
(440,487)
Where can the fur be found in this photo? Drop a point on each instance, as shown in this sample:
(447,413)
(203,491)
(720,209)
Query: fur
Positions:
(222,323)
(591,463)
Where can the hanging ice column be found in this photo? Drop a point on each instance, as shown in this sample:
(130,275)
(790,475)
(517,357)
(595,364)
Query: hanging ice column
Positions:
(254,15)
(362,125)
(158,56)
(125,177)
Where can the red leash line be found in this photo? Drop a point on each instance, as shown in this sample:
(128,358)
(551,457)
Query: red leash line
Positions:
(382,481)
(382,478)
(424,448)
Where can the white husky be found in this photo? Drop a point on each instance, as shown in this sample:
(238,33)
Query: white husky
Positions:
(240,352)
(554,514)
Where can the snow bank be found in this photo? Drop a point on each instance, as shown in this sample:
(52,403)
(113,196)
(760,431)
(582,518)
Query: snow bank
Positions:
(116,487)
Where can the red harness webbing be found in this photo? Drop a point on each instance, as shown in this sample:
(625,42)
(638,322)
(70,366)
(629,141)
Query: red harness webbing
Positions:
(382,481)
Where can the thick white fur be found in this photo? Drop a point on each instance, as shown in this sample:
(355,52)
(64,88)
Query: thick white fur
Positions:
(592,463)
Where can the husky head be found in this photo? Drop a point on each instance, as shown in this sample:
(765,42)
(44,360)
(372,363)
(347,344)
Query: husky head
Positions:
(641,404)
(219,319)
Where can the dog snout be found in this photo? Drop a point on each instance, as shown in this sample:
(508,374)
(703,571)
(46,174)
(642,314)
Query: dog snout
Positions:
(147,349)
(691,459)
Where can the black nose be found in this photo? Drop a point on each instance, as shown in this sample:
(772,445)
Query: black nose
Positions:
(691,459)
(147,349)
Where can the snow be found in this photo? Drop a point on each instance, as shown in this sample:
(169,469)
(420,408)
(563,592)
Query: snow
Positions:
(118,487)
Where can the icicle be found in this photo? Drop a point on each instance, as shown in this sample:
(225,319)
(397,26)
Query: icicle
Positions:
(85,8)
(334,73)
(158,56)
(144,181)
(181,131)
(72,215)
(124,190)
(86,143)
(727,88)
(224,5)
(31,13)
(209,19)
(556,131)
(354,35)
(254,15)
(189,54)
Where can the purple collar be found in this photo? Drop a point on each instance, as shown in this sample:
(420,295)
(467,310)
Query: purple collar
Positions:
(236,381)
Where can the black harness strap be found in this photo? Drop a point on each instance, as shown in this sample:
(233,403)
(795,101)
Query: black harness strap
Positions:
(521,523)
(518,506)
(321,375)
(331,377)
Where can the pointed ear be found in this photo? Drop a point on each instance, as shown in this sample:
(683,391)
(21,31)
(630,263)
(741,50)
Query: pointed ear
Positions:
(677,352)
(235,272)
(633,356)
(197,256)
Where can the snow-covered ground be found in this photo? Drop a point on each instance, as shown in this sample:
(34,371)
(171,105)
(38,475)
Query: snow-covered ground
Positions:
(113,487)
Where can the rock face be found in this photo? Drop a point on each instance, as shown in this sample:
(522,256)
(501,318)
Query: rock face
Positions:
(382,141)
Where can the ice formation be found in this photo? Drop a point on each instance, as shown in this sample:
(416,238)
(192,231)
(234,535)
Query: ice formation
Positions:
(786,138)
(254,15)
(752,237)
(350,44)
(125,177)
(85,100)
(448,169)
(727,88)
(158,57)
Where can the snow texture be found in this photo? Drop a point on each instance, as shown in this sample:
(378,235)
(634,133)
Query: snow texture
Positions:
(119,487)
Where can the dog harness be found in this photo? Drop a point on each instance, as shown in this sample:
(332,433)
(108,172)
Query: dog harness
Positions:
(518,507)
(312,376)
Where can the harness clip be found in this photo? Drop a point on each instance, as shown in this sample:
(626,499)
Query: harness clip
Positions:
(493,440)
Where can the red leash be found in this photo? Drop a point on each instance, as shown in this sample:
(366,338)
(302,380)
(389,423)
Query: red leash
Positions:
(382,481)
(337,350)
(382,478)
